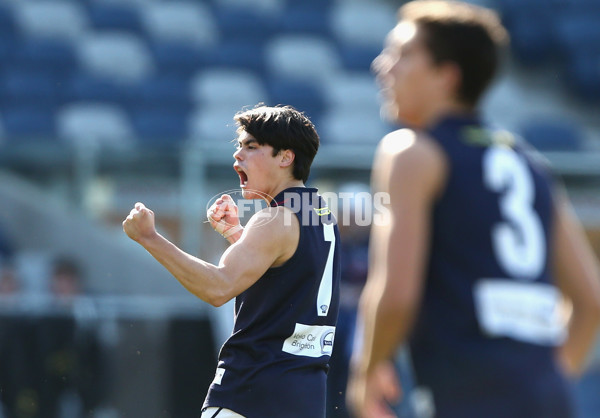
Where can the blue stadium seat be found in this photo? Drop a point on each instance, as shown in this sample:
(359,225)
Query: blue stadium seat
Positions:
(306,18)
(159,126)
(8,33)
(252,25)
(340,126)
(352,92)
(29,87)
(29,122)
(553,134)
(180,58)
(164,90)
(122,56)
(51,55)
(303,95)
(583,73)
(315,4)
(358,57)
(95,124)
(533,40)
(87,87)
(188,21)
(302,57)
(363,24)
(8,27)
(577,30)
(62,19)
(229,88)
(211,124)
(241,53)
(7,50)
(115,16)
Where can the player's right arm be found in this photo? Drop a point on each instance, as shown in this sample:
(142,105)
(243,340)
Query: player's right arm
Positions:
(223,217)
(412,171)
(578,277)
(242,264)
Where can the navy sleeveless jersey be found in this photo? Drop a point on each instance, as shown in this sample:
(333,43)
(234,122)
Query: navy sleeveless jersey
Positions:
(484,340)
(275,363)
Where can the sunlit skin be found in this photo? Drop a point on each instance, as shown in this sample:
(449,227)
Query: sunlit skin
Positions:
(255,164)
(413,169)
(414,89)
(254,249)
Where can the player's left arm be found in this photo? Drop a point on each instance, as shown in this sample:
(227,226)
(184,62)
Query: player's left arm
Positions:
(242,264)
(578,277)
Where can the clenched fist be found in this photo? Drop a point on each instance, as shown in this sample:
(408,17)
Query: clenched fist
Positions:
(140,223)
(223,215)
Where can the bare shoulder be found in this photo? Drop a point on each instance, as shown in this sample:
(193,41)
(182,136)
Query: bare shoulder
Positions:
(274,229)
(406,155)
(407,144)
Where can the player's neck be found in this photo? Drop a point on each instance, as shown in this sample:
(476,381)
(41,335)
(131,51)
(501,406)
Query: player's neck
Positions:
(286,185)
(436,113)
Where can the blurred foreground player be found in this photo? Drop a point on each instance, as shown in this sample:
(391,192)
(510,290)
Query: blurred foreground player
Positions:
(282,268)
(481,243)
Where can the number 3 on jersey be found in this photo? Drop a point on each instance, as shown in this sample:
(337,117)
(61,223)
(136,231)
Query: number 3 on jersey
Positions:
(518,240)
(326,286)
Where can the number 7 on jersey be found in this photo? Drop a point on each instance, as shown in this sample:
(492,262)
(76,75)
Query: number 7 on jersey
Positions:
(325,288)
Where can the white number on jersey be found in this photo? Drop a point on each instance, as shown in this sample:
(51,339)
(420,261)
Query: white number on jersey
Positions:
(518,241)
(326,286)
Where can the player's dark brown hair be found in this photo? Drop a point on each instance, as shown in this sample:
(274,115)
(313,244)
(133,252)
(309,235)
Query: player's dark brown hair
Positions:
(283,128)
(470,36)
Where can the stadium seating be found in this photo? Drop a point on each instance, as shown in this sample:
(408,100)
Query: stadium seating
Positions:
(159,126)
(358,58)
(95,124)
(553,134)
(212,125)
(25,122)
(188,21)
(227,87)
(179,58)
(302,57)
(361,23)
(8,26)
(302,94)
(164,90)
(306,18)
(51,18)
(115,16)
(577,30)
(145,55)
(271,7)
(239,53)
(53,56)
(248,23)
(533,32)
(29,87)
(583,73)
(83,86)
(353,91)
(561,33)
(352,127)
(115,55)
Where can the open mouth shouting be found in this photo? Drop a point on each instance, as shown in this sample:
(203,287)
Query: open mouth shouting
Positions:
(242,174)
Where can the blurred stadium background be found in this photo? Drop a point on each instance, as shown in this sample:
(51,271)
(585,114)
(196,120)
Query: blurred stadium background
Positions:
(107,102)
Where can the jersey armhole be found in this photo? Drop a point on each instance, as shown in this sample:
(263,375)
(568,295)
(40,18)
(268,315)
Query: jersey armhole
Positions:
(295,257)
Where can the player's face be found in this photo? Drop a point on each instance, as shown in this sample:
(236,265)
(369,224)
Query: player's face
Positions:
(406,75)
(255,166)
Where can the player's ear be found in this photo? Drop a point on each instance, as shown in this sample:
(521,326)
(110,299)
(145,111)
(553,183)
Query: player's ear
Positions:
(451,77)
(287,157)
